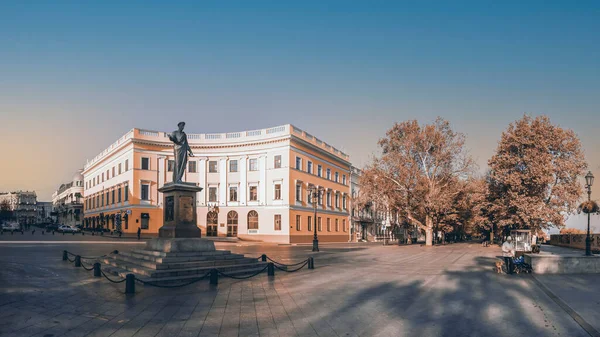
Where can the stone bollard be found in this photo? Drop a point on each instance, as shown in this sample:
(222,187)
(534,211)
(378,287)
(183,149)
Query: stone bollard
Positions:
(22,232)
(271,269)
(214,277)
(82,233)
(65,255)
(73,233)
(311,263)
(33,232)
(12,232)
(43,232)
(97,272)
(77,261)
(263,258)
(130,284)
(52,232)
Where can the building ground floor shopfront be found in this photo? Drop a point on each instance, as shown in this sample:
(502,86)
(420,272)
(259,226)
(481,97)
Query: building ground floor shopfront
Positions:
(277,224)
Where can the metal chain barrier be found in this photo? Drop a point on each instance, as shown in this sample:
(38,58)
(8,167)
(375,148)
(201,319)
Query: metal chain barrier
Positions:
(287,265)
(71,260)
(146,283)
(291,271)
(93,257)
(108,278)
(241,277)
(84,267)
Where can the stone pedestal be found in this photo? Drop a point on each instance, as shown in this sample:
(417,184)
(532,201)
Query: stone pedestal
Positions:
(179,211)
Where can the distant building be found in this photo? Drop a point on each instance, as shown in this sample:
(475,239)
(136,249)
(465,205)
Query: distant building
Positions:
(44,212)
(254,184)
(67,201)
(22,204)
(366,221)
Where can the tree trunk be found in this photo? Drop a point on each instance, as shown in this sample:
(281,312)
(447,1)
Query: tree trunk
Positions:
(428,231)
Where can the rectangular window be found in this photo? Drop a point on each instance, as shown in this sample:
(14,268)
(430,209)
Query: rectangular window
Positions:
(277,163)
(107,199)
(328,224)
(102,176)
(337,200)
(337,177)
(126,192)
(328,174)
(277,222)
(113,171)
(102,200)
(298,163)
(344,225)
(319,227)
(253,193)
(344,179)
(212,194)
(113,197)
(320,198)
(253,164)
(344,201)
(277,191)
(119,195)
(192,167)
(298,225)
(309,167)
(319,171)
(298,192)
(145,192)
(126,165)
(337,225)
(170,165)
(233,166)
(107,177)
(308,196)
(310,224)
(233,193)
(119,168)
(212,166)
(145,163)
(328,199)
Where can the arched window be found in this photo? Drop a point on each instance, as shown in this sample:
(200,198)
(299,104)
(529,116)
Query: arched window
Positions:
(212,218)
(232,218)
(252,220)
(232,223)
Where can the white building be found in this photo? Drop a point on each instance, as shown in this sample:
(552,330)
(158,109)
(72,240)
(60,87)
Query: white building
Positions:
(67,201)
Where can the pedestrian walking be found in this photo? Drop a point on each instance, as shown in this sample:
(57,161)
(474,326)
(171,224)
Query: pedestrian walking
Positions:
(139,232)
(508,252)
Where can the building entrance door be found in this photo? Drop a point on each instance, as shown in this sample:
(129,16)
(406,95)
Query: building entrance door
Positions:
(232,224)
(212,220)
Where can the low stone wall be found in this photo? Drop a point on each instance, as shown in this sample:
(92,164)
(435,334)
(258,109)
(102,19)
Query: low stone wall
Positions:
(563,264)
(574,240)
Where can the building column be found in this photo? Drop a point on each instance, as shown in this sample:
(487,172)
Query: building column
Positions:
(243,179)
(223,182)
(202,175)
(262,179)
(161,179)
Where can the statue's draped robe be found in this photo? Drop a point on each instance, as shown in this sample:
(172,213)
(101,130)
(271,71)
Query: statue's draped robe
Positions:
(181,154)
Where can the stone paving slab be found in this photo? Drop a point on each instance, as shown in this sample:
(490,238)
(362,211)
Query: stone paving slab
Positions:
(355,290)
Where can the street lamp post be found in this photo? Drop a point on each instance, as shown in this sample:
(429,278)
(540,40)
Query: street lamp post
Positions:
(315,193)
(589,181)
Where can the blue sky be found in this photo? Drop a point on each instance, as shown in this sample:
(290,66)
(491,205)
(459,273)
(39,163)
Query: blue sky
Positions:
(76,75)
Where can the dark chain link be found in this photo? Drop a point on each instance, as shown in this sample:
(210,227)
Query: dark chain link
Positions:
(84,267)
(113,281)
(242,277)
(291,271)
(287,265)
(152,284)
(70,259)
(91,257)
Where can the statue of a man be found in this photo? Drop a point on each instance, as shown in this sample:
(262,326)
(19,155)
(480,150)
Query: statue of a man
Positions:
(181,150)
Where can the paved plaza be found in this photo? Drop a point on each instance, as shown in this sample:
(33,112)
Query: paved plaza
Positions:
(355,290)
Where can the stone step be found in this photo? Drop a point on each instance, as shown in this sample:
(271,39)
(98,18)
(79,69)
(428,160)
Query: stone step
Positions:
(158,259)
(182,265)
(154,273)
(174,280)
(181,254)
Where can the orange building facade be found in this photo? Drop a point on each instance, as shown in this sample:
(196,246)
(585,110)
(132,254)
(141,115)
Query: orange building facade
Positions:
(255,184)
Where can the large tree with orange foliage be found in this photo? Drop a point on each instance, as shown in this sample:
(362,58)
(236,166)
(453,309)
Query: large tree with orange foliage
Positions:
(534,175)
(419,174)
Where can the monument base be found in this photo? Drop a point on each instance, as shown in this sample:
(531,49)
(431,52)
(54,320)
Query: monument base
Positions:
(179,203)
(180,245)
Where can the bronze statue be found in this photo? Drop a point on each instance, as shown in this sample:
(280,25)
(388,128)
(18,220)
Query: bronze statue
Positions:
(181,150)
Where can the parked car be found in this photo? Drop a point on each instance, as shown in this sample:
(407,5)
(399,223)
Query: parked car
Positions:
(11,226)
(67,229)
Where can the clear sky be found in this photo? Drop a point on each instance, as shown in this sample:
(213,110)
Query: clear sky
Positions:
(74,76)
